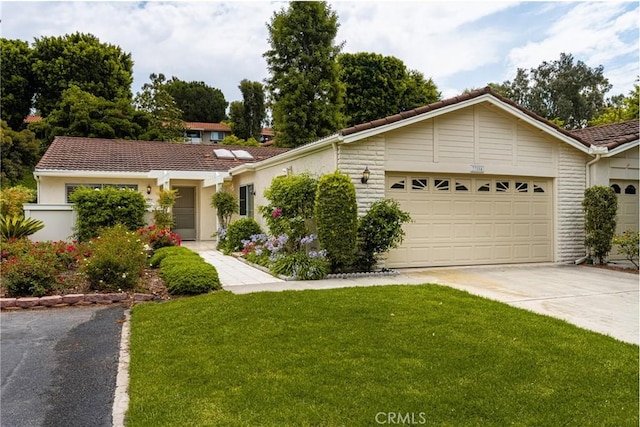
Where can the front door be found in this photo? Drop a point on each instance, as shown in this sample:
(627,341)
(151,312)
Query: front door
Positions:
(184,213)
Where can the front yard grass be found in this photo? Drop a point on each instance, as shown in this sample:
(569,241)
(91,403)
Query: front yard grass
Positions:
(350,357)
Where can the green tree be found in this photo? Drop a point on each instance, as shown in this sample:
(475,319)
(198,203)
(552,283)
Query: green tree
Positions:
(305,93)
(78,59)
(80,113)
(20,152)
(247,116)
(337,217)
(600,205)
(166,123)
(619,108)
(234,140)
(378,86)
(559,90)
(17,88)
(198,101)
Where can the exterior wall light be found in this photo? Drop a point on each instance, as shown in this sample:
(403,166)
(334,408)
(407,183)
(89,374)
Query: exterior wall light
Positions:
(148,189)
(365,175)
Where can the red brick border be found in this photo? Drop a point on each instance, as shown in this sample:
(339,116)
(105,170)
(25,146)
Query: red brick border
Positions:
(78,300)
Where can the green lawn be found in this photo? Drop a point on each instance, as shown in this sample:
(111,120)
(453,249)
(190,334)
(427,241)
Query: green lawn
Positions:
(351,357)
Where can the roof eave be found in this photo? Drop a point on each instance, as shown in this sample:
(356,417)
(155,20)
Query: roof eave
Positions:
(622,148)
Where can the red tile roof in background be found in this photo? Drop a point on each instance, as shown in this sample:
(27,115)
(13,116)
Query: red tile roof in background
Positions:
(610,136)
(216,127)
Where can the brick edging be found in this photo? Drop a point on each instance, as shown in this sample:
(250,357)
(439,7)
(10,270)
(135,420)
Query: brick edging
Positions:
(77,300)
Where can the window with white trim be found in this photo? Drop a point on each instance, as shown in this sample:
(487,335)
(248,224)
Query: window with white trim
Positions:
(246,200)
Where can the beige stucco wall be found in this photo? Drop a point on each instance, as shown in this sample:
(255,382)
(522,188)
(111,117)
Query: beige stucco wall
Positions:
(624,165)
(52,189)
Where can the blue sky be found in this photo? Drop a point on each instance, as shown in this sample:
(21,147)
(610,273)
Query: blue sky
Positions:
(460,45)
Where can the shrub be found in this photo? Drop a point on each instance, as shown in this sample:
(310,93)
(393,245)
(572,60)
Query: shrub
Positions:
(337,217)
(28,275)
(600,206)
(238,231)
(18,227)
(629,244)
(162,217)
(291,205)
(107,207)
(117,259)
(13,198)
(169,251)
(226,205)
(379,230)
(189,275)
(158,238)
(300,266)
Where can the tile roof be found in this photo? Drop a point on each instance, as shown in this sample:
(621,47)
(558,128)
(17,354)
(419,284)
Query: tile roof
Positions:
(217,127)
(610,136)
(452,101)
(32,119)
(113,155)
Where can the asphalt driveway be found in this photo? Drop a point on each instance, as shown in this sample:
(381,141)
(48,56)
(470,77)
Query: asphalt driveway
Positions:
(59,366)
(604,301)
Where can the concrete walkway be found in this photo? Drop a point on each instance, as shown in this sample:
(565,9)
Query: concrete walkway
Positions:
(604,301)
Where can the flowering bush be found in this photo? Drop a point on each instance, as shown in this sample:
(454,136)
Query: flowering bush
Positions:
(33,268)
(275,252)
(117,259)
(238,231)
(157,237)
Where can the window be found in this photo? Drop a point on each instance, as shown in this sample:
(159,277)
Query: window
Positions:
(217,136)
(441,184)
(484,187)
(398,184)
(419,183)
(538,188)
(630,189)
(522,187)
(502,186)
(246,200)
(70,188)
(463,185)
(616,188)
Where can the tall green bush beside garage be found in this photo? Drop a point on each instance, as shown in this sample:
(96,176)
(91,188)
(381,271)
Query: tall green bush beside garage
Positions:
(600,206)
(337,219)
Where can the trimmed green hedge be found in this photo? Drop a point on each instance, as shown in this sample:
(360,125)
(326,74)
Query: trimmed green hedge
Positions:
(184,271)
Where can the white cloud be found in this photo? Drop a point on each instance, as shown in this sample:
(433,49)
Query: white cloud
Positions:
(459,44)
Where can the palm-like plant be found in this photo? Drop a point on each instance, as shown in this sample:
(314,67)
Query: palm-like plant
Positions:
(16,226)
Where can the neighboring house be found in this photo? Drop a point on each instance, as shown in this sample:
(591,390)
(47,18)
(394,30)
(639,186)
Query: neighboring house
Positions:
(196,171)
(206,133)
(485,180)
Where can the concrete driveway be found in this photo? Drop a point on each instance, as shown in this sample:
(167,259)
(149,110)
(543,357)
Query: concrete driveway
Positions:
(604,301)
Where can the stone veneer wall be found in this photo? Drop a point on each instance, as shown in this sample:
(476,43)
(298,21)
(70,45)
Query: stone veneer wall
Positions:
(353,158)
(569,190)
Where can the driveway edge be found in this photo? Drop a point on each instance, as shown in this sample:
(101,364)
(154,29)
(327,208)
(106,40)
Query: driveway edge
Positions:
(121,398)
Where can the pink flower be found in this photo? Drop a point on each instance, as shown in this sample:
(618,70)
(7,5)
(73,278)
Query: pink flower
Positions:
(277,212)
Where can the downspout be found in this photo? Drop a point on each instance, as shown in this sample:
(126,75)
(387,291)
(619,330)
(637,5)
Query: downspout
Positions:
(598,152)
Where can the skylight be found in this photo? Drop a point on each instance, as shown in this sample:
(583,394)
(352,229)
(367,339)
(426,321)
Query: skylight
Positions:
(242,154)
(223,153)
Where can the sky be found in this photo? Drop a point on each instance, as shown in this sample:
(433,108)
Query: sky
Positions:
(460,45)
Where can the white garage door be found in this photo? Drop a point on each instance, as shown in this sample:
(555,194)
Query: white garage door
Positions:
(467,221)
(627,192)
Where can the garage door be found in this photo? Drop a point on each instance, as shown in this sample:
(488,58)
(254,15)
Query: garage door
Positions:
(468,221)
(628,218)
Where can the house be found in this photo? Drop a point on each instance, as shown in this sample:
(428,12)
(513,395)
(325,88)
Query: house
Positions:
(196,171)
(485,180)
(205,133)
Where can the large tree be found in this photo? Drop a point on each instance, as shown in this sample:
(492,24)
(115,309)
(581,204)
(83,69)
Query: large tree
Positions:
(378,86)
(166,122)
(198,101)
(304,89)
(619,108)
(563,91)
(247,116)
(81,113)
(78,59)
(20,152)
(16,88)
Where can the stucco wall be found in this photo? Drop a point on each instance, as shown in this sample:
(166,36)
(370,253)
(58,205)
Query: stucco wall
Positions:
(623,165)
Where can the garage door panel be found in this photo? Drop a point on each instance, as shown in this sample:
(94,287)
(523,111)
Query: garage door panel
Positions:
(492,221)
